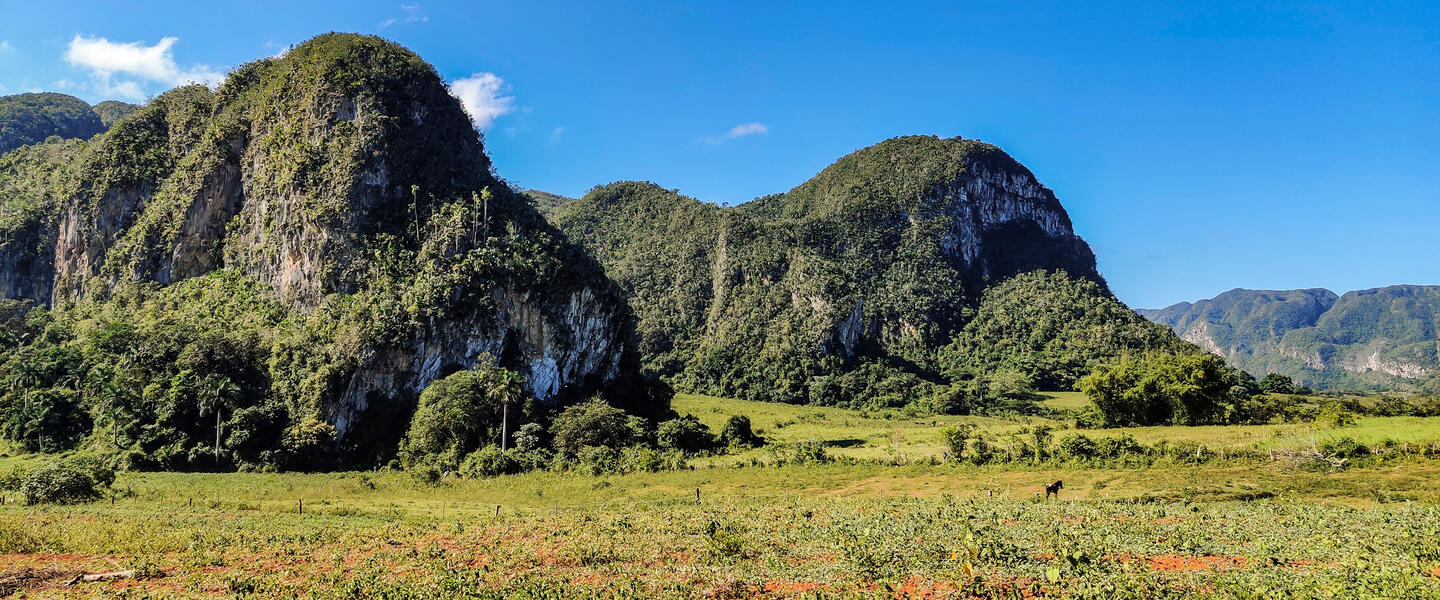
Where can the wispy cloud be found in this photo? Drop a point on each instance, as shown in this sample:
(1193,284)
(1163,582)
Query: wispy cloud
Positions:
(555,135)
(4,45)
(483,96)
(737,131)
(414,13)
(116,66)
(387,23)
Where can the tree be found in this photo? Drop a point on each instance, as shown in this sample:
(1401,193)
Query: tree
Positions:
(1275,383)
(685,434)
(508,387)
(1160,389)
(216,390)
(737,432)
(590,423)
(463,411)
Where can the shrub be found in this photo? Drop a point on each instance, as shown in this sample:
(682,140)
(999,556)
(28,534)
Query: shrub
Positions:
(531,436)
(65,483)
(737,432)
(1345,447)
(490,461)
(1335,415)
(590,424)
(800,453)
(1078,447)
(955,439)
(685,434)
(1118,447)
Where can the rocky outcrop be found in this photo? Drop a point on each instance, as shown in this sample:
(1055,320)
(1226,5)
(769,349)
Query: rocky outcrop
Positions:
(875,258)
(327,176)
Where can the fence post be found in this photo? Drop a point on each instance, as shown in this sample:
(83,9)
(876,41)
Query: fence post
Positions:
(302,506)
(497,510)
(697,495)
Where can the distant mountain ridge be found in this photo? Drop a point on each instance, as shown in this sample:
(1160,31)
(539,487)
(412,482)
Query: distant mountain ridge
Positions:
(34,117)
(1376,338)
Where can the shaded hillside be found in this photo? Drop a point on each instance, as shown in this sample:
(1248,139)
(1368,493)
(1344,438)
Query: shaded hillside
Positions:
(32,118)
(302,250)
(1383,337)
(843,290)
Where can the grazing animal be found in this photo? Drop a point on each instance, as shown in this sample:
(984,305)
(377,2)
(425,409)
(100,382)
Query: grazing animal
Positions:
(1053,488)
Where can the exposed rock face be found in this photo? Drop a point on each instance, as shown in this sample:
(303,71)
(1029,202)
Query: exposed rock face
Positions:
(365,188)
(1364,338)
(875,258)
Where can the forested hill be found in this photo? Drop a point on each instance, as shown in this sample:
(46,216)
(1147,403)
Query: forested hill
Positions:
(32,118)
(1370,339)
(288,259)
(901,269)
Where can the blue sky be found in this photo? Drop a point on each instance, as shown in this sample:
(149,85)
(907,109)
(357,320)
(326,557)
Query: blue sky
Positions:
(1198,147)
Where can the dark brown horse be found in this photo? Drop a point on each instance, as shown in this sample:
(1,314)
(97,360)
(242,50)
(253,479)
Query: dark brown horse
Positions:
(1053,489)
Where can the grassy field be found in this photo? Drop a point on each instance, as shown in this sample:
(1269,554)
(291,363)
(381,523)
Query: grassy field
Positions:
(870,529)
(892,435)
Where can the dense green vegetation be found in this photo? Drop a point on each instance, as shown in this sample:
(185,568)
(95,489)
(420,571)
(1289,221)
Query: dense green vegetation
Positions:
(32,118)
(1383,338)
(865,286)
(111,111)
(1051,329)
(247,277)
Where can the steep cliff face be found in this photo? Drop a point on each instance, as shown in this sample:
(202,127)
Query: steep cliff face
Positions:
(346,182)
(1367,338)
(871,265)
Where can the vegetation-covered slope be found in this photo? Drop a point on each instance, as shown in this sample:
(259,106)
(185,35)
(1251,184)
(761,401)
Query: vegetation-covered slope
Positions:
(1383,337)
(843,290)
(31,118)
(295,255)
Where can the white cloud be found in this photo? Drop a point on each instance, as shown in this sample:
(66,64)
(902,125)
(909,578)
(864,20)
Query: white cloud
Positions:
(413,13)
(4,45)
(387,23)
(737,131)
(557,134)
(109,61)
(482,96)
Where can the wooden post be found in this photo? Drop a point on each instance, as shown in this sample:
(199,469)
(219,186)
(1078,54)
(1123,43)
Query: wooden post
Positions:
(697,495)
(301,505)
(191,503)
(497,510)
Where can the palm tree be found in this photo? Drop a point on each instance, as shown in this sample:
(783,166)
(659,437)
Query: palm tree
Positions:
(508,387)
(213,394)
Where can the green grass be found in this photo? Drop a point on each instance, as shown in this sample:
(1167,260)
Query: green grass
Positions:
(1065,400)
(893,435)
(868,529)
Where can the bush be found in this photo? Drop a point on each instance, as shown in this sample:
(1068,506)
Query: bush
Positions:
(685,434)
(737,433)
(800,453)
(1078,447)
(590,424)
(1118,447)
(1335,415)
(531,436)
(1344,447)
(67,482)
(490,461)
(955,439)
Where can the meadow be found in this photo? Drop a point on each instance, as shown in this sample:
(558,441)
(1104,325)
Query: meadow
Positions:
(888,520)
